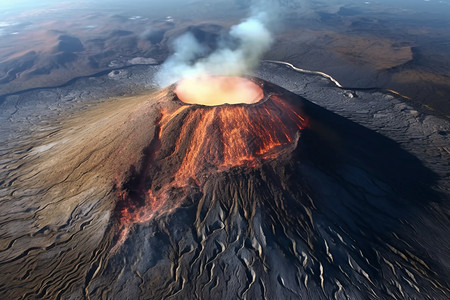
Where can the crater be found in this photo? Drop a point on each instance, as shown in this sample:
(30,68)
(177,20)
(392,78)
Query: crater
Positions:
(218,90)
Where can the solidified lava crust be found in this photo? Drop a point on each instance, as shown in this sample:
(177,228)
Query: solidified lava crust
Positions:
(147,197)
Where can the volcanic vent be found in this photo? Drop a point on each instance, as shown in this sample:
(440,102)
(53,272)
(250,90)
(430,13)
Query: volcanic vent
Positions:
(208,125)
(218,90)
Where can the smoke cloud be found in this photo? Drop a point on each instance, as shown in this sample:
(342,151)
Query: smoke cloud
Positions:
(247,43)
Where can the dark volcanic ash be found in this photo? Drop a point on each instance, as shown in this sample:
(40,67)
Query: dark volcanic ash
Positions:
(149,197)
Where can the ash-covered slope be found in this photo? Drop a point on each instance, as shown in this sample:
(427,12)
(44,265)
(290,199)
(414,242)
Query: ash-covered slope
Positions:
(279,199)
(329,214)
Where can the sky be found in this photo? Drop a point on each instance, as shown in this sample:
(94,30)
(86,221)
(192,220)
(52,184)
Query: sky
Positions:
(429,6)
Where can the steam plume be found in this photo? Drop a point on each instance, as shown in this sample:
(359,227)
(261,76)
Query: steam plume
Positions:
(253,40)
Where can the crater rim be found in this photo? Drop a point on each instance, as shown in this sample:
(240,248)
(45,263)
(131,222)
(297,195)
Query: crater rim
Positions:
(219,90)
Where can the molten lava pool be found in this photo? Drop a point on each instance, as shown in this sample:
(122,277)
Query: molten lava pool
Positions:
(218,90)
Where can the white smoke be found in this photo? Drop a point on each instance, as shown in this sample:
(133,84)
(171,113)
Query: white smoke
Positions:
(253,40)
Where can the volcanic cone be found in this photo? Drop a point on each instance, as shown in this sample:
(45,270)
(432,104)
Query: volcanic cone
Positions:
(224,193)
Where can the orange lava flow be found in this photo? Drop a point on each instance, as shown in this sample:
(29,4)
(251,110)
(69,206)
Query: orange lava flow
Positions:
(218,90)
(205,141)
(232,136)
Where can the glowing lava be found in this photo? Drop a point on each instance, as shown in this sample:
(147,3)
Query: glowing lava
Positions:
(218,90)
(193,142)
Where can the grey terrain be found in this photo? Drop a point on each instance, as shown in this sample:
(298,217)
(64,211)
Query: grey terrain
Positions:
(334,184)
(355,206)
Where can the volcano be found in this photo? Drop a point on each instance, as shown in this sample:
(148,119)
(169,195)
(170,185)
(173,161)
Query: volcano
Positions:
(205,138)
(221,188)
